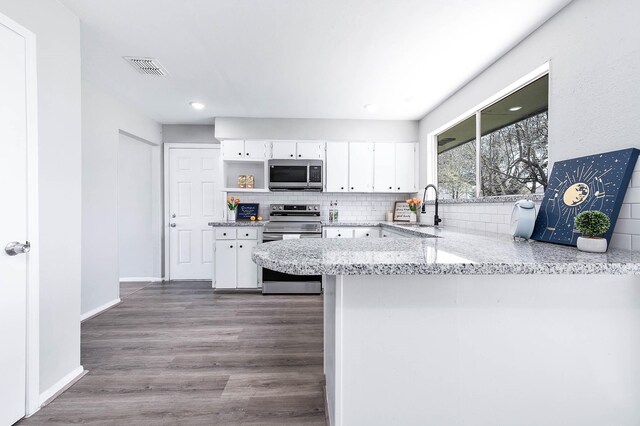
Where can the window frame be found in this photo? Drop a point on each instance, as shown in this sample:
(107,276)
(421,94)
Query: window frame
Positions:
(432,137)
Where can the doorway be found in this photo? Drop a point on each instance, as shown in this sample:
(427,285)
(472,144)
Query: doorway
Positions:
(139,209)
(18,224)
(192,200)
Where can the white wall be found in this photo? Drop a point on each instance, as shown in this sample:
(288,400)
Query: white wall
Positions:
(58,61)
(310,129)
(139,209)
(594,51)
(188,133)
(103,118)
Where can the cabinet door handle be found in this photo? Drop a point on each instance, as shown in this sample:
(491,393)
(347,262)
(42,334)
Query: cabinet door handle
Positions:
(352,187)
(390,187)
(240,245)
(230,246)
(367,235)
(291,155)
(339,235)
(299,155)
(239,153)
(246,153)
(342,187)
(224,234)
(246,235)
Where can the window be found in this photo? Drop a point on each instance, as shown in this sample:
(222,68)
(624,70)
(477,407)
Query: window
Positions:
(511,147)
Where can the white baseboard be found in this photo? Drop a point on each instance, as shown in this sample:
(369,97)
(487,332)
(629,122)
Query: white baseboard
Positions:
(99,310)
(140,279)
(61,385)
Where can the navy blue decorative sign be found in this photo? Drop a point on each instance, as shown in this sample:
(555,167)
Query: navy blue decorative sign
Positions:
(596,182)
(246,210)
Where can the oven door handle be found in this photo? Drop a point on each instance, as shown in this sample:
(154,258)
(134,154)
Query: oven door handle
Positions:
(268,238)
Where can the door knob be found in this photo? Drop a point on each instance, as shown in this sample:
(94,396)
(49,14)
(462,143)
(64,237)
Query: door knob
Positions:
(15,248)
(173,225)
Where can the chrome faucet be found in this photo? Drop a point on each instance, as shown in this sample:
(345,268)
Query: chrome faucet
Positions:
(436,219)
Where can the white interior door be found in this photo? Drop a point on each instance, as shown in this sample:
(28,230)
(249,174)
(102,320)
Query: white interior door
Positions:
(13,225)
(193,202)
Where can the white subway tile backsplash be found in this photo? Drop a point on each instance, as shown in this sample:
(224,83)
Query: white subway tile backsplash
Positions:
(621,241)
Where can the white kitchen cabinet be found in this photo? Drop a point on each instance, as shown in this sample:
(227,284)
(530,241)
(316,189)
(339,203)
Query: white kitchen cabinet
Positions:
(254,149)
(247,270)
(338,233)
(233,149)
(366,232)
(384,166)
(405,170)
(233,267)
(226,264)
(360,167)
(310,150)
(337,167)
(283,150)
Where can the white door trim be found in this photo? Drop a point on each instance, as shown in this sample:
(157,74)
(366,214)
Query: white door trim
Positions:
(165,217)
(32,397)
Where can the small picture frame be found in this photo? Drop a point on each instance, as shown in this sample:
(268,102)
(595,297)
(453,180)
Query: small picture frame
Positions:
(246,210)
(401,212)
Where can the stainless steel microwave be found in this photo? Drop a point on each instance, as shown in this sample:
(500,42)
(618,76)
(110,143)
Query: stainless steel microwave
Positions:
(295,175)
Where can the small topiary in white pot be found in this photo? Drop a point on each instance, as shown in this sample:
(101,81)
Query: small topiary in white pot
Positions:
(591,224)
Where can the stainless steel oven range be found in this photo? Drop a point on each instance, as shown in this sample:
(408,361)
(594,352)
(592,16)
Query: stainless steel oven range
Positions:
(289,221)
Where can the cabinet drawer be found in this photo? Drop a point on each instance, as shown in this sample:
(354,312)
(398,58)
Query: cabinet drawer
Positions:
(247,234)
(367,233)
(225,234)
(338,233)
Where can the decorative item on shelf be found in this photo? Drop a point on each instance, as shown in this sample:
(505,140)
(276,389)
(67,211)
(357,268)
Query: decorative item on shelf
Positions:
(246,211)
(232,205)
(414,205)
(401,212)
(249,182)
(595,182)
(523,219)
(591,224)
(389,216)
(242,181)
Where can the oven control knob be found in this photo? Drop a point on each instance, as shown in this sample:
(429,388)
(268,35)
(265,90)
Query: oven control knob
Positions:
(280,208)
(315,207)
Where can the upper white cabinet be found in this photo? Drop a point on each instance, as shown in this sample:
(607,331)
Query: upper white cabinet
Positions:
(297,150)
(405,167)
(283,150)
(384,165)
(310,150)
(337,166)
(360,167)
(244,149)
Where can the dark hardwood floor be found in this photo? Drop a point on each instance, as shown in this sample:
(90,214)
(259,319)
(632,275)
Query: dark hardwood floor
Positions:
(178,354)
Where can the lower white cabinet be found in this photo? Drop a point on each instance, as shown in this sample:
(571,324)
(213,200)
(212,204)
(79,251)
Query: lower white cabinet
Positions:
(338,233)
(247,271)
(233,267)
(356,232)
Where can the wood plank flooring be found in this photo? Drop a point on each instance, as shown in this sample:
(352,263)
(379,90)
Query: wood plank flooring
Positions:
(178,354)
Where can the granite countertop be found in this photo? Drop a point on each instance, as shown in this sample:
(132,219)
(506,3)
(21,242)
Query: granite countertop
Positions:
(238,223)
(456,251)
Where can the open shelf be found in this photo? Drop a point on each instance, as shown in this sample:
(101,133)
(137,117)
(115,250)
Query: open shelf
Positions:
(245,190)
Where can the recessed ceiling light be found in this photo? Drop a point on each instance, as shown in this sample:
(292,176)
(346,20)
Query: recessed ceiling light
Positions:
(370,107)
(197,105)
(515,108)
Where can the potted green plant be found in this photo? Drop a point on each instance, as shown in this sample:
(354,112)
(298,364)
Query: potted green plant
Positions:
(591,224)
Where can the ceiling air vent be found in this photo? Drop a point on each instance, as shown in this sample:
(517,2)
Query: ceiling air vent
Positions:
(148,66)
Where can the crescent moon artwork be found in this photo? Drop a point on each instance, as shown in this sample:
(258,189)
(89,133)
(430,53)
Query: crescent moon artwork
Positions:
(595,182)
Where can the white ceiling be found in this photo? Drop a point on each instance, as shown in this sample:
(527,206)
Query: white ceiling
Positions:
(298,58)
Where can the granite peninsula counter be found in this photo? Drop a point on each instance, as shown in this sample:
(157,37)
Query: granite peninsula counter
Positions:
(466,328)
(436,252)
